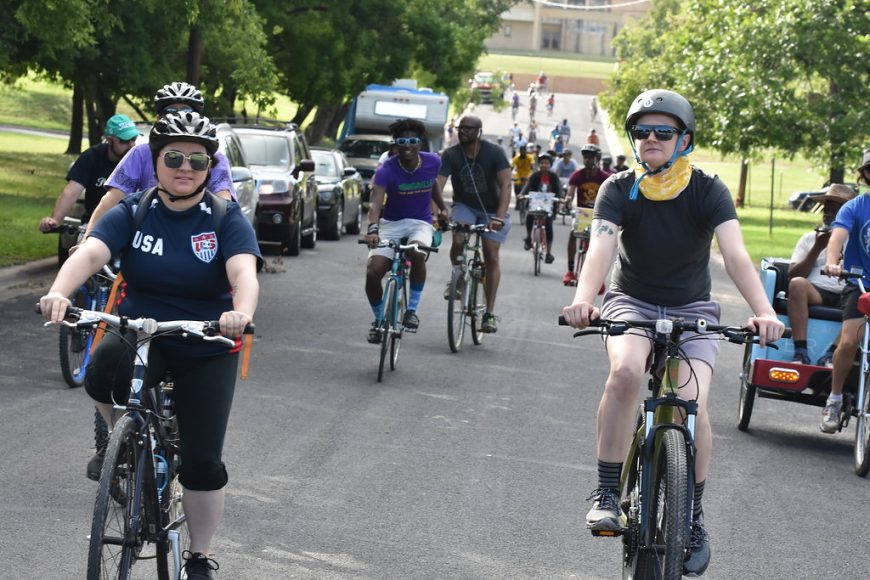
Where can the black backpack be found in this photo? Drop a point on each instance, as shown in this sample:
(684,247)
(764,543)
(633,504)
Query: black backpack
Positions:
(218,209)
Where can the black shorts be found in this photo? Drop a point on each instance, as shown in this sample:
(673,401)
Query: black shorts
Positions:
(831,299)
(850,302)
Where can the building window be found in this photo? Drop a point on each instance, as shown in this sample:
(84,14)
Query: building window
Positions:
(508,29)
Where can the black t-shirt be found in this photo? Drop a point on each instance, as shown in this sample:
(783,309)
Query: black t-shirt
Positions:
(478,175)
(91,169)
(664,246)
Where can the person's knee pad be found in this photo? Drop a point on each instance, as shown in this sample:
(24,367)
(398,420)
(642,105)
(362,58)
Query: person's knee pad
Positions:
(203,476)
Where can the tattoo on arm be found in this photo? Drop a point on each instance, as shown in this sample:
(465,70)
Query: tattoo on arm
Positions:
(602,229)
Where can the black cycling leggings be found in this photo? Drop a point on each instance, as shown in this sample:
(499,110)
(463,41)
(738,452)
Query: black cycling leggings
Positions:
(203,394)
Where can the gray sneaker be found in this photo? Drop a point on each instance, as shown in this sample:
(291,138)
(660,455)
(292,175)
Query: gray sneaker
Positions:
(605,513)
(831,416)
(698,551)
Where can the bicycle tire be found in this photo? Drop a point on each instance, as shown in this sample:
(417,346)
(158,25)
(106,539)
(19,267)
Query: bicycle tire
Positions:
(456,310)
(632,566)
(171,511)
(669,508)
(75,345)
(386,325)
(396,337)
(536,250)
(477,310)
(109,547)
(862,432)
(747,391)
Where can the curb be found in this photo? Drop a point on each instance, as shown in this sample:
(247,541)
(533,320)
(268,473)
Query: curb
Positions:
(16,280)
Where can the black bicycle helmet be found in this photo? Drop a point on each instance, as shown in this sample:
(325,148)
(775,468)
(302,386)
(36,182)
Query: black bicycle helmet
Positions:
(666,103)
(178,92)
(189,127)
(591,148)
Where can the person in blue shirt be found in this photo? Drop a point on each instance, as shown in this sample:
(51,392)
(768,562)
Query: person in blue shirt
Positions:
(852,222)
(176,266)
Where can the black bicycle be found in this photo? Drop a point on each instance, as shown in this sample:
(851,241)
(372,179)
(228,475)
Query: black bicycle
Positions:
(138,512)
(77,344)
(465,301)
(658,476)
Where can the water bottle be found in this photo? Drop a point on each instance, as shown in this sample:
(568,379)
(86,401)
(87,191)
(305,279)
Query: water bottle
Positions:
(160,469)
(166,407)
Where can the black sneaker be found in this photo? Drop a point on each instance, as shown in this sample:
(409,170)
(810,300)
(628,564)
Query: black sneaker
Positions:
(198,566)
(374,336)
(698,552)
(411,321)
(549,259)
(605,513)
(489,324)
(527,244)
(95,465)
(801,356)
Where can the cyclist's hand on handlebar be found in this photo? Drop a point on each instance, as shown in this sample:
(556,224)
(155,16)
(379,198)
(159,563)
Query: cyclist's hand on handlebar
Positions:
(372,241)
(233,322)
(495,225)
(53,306)
(833,270)
(768,327)
(47,224)
(579,314)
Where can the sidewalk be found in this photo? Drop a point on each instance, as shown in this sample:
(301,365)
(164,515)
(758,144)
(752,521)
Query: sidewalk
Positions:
(29,277)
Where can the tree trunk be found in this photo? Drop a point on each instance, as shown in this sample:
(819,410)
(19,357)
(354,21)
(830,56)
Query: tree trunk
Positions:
(741,189)
(94,132)
(323,119)
(74,146)
(301,114)
(194,55)
(142,116)
(332,131)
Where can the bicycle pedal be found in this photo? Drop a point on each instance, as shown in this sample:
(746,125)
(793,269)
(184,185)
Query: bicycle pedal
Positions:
(606,533)
(410,330)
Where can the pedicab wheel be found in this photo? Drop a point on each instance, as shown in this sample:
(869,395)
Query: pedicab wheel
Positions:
(747,391)
(862,434)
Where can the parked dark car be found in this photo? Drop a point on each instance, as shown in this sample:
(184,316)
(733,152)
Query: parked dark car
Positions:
(284,170)
(363,152)
(243,178)
(339,190)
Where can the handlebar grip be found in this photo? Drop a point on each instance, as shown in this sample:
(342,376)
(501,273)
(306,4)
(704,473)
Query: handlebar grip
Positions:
(215,326)
(787,332)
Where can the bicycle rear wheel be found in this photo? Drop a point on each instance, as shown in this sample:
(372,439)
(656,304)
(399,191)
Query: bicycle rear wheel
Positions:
(862,432)
(75,345)
(477,306)
(747,391)
(456,311)
(114,543)
(669,508)
(536,250)
(387,324)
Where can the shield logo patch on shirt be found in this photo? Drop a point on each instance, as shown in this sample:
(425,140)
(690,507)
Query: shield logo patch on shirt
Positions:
(204,246)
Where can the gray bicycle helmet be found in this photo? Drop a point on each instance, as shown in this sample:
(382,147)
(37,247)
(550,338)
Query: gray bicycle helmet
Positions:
(591,148)
(178,92)
(666,103)
(188,127)
(865,159)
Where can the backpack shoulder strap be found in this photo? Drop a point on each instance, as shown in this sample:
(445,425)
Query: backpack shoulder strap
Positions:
(142,208)
(218,211)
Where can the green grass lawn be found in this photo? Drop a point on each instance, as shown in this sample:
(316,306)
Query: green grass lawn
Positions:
(554,66)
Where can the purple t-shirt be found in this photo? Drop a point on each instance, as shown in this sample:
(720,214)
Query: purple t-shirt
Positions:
(135,172)
(409,194)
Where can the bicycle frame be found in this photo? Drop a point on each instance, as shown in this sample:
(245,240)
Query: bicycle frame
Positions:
(467,276)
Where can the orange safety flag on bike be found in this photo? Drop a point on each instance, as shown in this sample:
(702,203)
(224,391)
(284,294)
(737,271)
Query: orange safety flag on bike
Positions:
(110,305)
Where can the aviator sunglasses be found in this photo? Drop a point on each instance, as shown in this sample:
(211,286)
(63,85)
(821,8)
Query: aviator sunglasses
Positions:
(662,132)
(407,141)
(174,159)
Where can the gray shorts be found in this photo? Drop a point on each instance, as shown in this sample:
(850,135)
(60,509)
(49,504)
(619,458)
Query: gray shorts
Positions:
(621,306)
(465,214)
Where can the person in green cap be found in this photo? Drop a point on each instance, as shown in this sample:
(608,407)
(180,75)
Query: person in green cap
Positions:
(91,169)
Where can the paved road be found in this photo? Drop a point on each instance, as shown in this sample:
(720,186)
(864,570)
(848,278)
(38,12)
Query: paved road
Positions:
(473,465)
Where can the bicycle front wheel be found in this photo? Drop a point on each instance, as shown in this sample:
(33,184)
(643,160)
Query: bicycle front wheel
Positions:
(669,507)
(456,311)
(477,307)
(75,345)
(169,559)
(396,336)
(387,324)
(862,432)
(115,543)
(537,251)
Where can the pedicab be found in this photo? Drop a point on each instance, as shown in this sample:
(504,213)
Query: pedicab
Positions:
(770,373)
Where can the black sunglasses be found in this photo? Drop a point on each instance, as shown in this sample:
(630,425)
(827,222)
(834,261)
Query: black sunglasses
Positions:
(662,132)
(174,159)
(126,141)
(174,110)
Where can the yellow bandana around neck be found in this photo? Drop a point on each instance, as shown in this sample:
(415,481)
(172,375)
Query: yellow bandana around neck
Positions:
(666,185)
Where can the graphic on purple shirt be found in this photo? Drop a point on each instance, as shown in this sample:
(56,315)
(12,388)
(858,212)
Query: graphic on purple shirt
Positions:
(135,173)
(409,194)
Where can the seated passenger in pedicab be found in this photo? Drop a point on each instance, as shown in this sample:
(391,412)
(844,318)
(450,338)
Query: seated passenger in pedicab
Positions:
(807,286)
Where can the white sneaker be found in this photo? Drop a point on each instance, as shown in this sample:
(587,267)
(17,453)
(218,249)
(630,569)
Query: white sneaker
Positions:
(831,416)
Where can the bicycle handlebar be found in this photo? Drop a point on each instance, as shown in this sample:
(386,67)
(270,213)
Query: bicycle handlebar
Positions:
(735,334)
(207,330)
(397,245)
(468,228)
(65,229)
